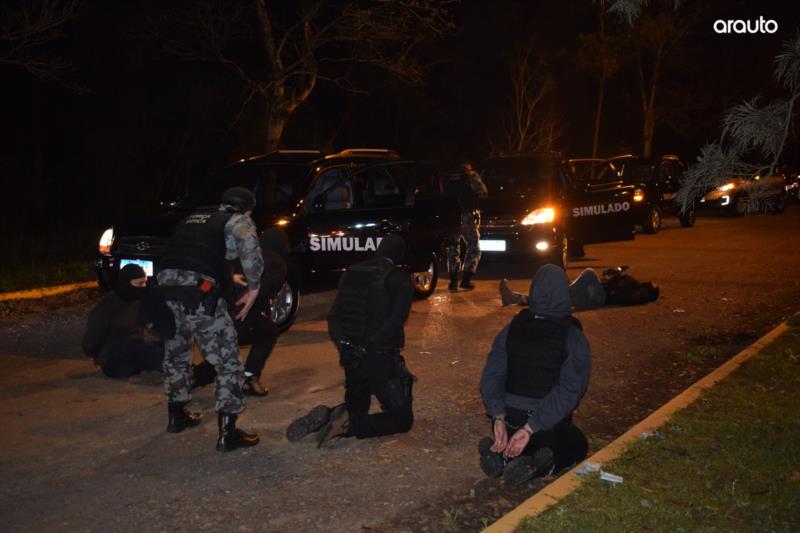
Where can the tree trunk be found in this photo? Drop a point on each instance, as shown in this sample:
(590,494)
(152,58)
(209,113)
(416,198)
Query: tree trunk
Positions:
(598,113)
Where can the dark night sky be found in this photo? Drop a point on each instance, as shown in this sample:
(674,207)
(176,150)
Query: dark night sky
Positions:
(147,121)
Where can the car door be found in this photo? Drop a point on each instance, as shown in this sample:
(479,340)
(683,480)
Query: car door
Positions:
(349,211)
(598,204)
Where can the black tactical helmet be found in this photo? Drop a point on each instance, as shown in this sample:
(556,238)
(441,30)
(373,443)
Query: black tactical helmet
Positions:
(239,198)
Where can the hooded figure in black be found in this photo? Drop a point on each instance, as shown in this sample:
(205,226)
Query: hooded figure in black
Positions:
(366,324)
(257,329)
(126,329)
(535,375)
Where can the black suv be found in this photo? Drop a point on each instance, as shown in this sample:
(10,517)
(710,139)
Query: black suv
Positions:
(539,210)
(335,209)
(654,183)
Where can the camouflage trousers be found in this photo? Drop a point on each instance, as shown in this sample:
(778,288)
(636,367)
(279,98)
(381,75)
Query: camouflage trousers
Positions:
(470,237)
(216,337)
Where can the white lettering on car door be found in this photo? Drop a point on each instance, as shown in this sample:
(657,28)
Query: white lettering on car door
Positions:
(343,244)
(601,209)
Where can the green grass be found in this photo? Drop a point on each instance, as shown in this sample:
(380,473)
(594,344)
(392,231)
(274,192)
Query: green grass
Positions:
(46,274)
(39,258)
(728,462)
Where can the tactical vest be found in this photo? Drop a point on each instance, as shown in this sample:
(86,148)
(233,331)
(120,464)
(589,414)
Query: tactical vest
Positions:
(198,244)
(457,185)
(364,299)
(536,347)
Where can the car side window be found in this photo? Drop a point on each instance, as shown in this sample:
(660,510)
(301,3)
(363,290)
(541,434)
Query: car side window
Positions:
(385,186)
(332,191)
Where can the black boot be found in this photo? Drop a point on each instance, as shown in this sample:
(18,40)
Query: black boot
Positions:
(180,418)
(465,281)
(453,281)
(230,437)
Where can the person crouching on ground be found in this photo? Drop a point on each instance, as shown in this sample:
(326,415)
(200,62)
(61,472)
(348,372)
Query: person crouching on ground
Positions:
(536,374)
(125,331)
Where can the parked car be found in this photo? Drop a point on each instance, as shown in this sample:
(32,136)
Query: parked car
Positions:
(655,184)
(743,195)
(335,209)
(538,210)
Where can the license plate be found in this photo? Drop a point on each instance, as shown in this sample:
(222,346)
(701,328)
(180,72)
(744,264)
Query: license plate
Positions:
(147,266)
(492,245)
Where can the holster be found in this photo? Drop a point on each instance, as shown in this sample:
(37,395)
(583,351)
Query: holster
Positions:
(351,355)
(191,297)
(397,392)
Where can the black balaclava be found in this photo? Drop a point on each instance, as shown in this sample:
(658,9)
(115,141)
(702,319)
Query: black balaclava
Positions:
(239,198)
(392,247)
(124,289)
(275,239)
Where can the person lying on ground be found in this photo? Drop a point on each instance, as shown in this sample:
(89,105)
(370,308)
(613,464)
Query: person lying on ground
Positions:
(588,291)
(535,375)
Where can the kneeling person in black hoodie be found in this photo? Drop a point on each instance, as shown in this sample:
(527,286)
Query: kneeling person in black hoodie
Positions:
(536,373)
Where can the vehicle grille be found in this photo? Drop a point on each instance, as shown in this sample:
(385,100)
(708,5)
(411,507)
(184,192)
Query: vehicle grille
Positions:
(498,222)
(142,246)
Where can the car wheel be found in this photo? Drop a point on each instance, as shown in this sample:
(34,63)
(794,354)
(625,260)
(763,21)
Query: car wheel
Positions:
(425,282)
(688,218)
(779,206)
(284,305)
(653,221)
(740,206)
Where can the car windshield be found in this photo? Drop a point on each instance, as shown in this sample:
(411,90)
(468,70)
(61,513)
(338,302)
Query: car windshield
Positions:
(518,174)
(277,187)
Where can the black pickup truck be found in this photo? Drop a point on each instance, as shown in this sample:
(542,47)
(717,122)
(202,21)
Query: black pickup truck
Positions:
(539,209)
(335,209)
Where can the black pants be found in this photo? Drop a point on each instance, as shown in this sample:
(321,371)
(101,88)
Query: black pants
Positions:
(132,357)
(376,374)
(258,331)
(568,443)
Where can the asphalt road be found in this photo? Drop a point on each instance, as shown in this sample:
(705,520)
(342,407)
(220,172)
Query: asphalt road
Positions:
(83,453)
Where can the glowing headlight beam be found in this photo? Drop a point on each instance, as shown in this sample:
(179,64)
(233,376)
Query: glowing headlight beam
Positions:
(539,216)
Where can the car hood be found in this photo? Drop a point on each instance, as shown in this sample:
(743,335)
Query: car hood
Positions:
(513,204)
(149,226)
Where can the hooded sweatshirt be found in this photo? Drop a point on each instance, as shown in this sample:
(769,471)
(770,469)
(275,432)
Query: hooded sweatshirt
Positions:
(549,298)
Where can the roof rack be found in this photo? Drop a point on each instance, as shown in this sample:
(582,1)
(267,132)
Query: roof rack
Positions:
(365,152)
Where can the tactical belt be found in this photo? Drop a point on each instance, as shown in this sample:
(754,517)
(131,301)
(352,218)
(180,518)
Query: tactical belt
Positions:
(191,296)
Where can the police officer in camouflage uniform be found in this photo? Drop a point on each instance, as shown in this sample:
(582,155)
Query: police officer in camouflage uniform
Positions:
(193,274)
(467,187)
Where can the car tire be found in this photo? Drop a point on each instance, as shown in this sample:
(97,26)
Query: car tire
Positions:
(284,305)
(688,218)
(740,206)
(425,282)
(652,223)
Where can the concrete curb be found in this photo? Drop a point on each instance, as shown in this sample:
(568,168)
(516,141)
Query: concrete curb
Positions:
(568,482)
(33,294)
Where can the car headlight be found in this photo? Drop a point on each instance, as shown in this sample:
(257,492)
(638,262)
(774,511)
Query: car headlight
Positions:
(106,240)
(539,216)
(638,195)
(727,187)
